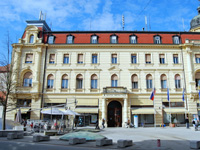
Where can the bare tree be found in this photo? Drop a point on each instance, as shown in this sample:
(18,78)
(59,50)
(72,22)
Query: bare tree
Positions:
(6,79)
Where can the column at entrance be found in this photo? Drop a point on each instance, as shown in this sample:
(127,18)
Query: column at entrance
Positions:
(125,114)
(103,112)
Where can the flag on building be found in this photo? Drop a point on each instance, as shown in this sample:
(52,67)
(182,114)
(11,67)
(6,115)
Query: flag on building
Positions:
(183,96)
(168,94)
(153,94)
(199,92)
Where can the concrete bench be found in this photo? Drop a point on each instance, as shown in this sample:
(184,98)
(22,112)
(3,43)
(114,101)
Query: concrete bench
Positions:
(73,141)
(11,136)
(124,143)
(195,144)
(4,133)
(103,142)
(50,133)
(38,138)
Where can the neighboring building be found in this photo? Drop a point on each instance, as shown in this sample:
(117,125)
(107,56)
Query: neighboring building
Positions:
(110,74)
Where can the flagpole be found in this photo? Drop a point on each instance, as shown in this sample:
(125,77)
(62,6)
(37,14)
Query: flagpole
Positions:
(154,115)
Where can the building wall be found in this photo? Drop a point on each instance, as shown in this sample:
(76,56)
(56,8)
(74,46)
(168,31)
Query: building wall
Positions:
(104,69)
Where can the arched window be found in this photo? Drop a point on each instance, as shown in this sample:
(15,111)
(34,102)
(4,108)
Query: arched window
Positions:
(27,79)
(197,79)
(134,80)
(163,81)
(31,39)
(149,81)
(176,39)
(177,81)
(114,80)
(50,80)
(65,81)
(79,81)
(94,80)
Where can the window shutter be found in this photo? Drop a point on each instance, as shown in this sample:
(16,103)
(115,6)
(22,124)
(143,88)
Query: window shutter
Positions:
(149,77)
(80,77)
(197,55)
(29,57)
(134,78)
(28,75)
(148,57)
(65,77)
(114,55)
(80,57)
(52,57)
(162,56)
(163,77)
(94,77)
(175,55)
(50,77)
(177,77)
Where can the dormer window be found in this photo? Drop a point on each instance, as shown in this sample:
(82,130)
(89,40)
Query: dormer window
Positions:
(70,39)
(31,39)
(94,39)
(157,39)
(176,40)
(113,39)
(51,39)
(133,39)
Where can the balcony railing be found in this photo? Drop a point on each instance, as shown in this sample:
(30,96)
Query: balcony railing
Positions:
(115,90)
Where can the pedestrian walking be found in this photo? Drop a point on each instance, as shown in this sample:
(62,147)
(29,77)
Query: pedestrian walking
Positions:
(97,125)
(187,121)
(103,123)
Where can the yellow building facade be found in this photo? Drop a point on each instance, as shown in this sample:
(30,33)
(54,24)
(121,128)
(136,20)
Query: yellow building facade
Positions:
(108,75)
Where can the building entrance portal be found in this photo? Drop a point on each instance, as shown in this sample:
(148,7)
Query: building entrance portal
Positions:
(114,114)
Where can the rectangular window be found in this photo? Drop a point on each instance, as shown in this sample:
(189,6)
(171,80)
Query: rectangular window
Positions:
(148,58)
(69,39)
(94,84)
(176,40)
(114,58)
(133,59)
(29,58)
(50,83)
(134,85)
(51,39)
(80,58)
(79,83)
(162,59)
(178,84)
(94,39)
(133,40)
(197,57)
(149,84)
(114,39)
(163,84)
(114,83)
(175,58)
(94,58)
(52,59)
(64,83)
(66,59)
(27,82)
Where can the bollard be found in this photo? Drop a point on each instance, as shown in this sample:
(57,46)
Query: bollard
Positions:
(158,142)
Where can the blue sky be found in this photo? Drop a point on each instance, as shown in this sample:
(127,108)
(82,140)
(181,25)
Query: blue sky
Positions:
(165,15)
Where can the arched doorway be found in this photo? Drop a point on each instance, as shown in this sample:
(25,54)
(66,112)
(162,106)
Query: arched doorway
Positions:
(114,114)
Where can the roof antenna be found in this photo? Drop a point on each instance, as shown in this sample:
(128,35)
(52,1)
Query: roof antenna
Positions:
(123,22)
(183,25)
(41,16)
(146,23)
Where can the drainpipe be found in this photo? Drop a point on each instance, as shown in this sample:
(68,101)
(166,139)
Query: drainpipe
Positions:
(44,73)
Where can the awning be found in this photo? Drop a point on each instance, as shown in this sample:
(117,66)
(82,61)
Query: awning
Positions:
(143,111)
(175,110)
(24,110)
(87,110)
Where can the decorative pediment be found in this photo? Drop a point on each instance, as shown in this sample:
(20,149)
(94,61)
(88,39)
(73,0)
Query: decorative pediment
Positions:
(114,68)
(32,28)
